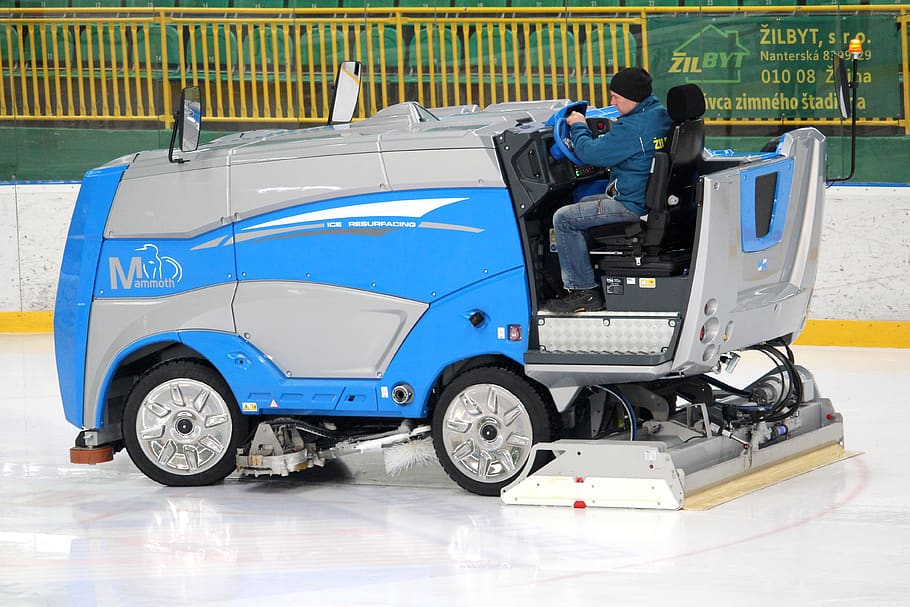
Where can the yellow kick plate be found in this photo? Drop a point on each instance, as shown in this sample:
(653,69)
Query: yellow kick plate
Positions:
(753,481)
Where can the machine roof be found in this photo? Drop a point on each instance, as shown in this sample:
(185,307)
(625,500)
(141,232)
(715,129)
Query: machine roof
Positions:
(401,127)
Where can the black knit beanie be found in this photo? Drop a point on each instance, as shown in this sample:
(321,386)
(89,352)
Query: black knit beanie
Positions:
(633,83)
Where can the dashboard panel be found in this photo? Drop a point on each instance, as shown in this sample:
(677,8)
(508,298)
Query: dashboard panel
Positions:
(532,173)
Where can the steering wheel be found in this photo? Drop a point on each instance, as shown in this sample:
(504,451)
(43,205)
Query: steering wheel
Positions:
(562,147)
(563,143)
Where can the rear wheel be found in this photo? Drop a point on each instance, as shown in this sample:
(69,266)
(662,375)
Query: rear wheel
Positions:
(182,425)
(484,425)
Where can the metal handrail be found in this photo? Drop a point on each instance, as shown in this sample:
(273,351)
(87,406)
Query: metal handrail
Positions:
(127,64)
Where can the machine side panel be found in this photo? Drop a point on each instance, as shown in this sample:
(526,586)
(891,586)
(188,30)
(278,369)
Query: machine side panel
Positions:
(809,187)
(456,168)
(444,335)
(267,186)
(77,278)
(117,325)
(181,203)
(312,330)
(486,318)
(743,297)
(419,245)
(260,387)
(376,260)
(156,267)
(272,185)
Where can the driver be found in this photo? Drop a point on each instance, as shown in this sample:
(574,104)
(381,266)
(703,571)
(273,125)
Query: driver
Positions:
(628,148)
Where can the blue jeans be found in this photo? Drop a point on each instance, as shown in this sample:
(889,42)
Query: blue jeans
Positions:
(571,222)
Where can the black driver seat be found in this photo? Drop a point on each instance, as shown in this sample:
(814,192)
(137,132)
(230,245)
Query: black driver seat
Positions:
(663,243)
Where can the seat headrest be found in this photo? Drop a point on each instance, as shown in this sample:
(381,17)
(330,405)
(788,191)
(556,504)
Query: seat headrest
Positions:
(685,102)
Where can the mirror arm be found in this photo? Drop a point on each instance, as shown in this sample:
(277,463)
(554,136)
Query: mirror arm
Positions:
(853,85)
(170,149)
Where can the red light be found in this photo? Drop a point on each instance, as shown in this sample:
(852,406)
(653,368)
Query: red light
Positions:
(579,479)
(829,417)
(579,504)
(600,126)
(514,332)
(701,334)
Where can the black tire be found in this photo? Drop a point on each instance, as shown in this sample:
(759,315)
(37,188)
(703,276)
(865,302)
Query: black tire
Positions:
(484,424)
(182,426)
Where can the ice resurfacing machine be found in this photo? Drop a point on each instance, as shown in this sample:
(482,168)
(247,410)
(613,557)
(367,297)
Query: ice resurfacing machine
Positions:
(277,298)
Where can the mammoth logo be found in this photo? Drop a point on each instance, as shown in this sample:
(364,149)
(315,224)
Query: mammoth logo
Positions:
(151,270)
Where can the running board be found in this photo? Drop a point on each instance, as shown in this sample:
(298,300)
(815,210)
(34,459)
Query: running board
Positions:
(665,474)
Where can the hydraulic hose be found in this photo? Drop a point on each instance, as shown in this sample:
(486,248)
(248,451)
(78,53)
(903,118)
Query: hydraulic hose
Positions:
(791,384)
(630,411)
(726,387)
(793,395)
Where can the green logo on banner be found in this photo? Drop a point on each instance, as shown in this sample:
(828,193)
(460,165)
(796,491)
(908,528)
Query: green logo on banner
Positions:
(775,68)
(710,66)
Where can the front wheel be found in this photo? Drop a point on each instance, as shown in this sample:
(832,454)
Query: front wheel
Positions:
(182,426)
(484,425)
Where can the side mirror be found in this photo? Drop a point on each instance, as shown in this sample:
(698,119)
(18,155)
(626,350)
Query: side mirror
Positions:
(347,92)
(842,87)
(187,123)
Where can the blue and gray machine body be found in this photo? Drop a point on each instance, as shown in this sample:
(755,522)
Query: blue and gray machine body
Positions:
(314,269)
(350,272)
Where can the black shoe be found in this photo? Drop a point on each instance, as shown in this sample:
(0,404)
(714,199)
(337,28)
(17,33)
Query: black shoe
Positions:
(584,300)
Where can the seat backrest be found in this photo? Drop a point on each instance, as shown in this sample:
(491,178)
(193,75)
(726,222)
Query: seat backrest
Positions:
(546,49)
(9,45)
(212,46)
(686,106)
(492,47)
(673,173)
(322,47)
(102,43)
(686,140)
(379,44)
(435,45)
(257,45)
(656,193)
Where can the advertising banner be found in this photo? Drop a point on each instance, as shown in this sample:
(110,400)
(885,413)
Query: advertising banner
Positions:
(776,66)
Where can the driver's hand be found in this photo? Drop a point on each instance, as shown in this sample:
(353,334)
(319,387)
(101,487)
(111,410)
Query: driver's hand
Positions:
(575,118)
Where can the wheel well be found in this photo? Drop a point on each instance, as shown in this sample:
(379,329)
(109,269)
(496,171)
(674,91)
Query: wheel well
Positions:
(133,366)
(488,360)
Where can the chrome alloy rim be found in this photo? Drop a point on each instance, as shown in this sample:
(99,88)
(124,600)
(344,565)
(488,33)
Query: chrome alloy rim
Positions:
(184,426)
(487,432)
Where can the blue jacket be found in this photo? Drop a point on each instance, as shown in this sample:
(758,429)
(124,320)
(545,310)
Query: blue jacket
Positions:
(628,148)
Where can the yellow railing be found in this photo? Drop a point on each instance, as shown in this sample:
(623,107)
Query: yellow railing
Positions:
(268,66)
(904,22)
(277,66)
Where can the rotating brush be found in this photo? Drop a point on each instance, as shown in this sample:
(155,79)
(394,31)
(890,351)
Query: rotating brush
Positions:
(415,453)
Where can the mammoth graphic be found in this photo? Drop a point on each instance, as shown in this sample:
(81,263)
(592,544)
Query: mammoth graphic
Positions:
(159,267)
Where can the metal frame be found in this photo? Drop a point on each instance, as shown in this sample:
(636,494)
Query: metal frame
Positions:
(662,472)
(298,92)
